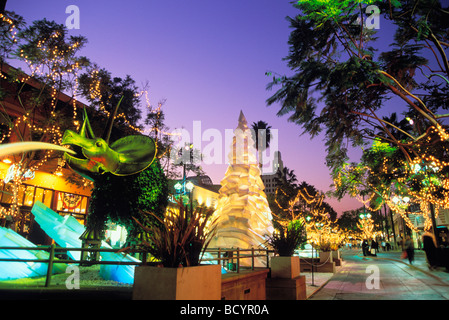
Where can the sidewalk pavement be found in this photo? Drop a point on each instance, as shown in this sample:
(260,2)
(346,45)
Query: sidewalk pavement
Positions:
(314,282)
(398,279)
(317,281)
(419,264)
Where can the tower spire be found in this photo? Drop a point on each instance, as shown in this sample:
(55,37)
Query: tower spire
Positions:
(243,216)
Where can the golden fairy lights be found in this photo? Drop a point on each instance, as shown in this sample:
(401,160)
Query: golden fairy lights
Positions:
(421,181)
(12,28)
(366,227)
(53,64)
(320,229)
(17,174)
(95,93)
(51,69)
(11,32)
(301,194)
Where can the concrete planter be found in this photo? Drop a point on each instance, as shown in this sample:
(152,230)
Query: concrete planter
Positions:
(335,254)
(326,256)
(189,283)
(285,267)
(286,283)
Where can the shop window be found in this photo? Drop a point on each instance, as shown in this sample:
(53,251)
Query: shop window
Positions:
(47,197)
(7,193)
(68,202)
(39,194)
(73,204)
(29,196)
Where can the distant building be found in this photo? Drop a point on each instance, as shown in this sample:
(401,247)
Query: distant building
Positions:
(269,179)
(204,192)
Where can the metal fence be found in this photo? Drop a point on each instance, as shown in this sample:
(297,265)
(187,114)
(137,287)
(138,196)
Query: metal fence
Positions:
(231,257)
(228,257)
(53,250)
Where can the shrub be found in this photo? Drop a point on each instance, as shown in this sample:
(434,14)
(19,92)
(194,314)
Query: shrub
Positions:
(289,238)
(181,239)
(120,198)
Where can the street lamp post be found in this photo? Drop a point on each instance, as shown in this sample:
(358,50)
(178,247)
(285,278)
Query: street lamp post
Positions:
(308,218)
(184,186)
(365,215)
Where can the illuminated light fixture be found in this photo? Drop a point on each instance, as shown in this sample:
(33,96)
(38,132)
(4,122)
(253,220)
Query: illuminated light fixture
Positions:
(189,186)
(58,173)
(14,172)
(178,186)
(365,215)
(7,161)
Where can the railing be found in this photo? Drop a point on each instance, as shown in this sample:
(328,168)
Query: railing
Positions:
(53,249)
(227,256)
(223,256)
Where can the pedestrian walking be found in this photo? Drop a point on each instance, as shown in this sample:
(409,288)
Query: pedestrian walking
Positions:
(409,249)
(399,242)
(374,247)
(365,247)
(430,248)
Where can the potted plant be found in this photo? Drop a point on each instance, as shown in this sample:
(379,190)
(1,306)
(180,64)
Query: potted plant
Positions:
(335,252)
(177,243)
(325,251)
(284,242)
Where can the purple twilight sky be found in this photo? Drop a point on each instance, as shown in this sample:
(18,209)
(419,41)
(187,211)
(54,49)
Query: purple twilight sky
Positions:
(207,58)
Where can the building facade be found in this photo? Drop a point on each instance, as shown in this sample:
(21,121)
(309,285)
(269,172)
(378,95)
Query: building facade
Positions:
(198,190)
(52,183)
(269,180)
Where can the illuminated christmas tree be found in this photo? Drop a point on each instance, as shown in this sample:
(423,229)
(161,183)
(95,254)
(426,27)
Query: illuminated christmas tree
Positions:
(243,214)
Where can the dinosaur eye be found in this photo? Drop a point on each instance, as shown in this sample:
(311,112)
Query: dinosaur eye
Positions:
(98,144)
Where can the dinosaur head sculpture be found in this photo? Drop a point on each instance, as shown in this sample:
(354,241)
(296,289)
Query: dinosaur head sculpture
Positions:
(93,155)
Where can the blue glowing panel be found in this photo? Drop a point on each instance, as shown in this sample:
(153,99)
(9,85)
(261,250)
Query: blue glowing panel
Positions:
(120,273)
(208,255)
(65,231)
(17,270)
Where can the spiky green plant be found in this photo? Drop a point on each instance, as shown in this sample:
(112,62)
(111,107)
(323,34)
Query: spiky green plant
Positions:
(184,234)
(289,238)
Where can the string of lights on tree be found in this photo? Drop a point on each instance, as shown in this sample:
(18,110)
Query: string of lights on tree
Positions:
(52,65)
(412,173)
(320,229)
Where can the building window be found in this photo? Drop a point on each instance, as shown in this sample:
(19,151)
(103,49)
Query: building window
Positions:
(61,202)
(73,204)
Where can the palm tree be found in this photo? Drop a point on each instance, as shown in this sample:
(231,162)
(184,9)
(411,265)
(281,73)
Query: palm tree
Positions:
(286,178)
(261,129)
